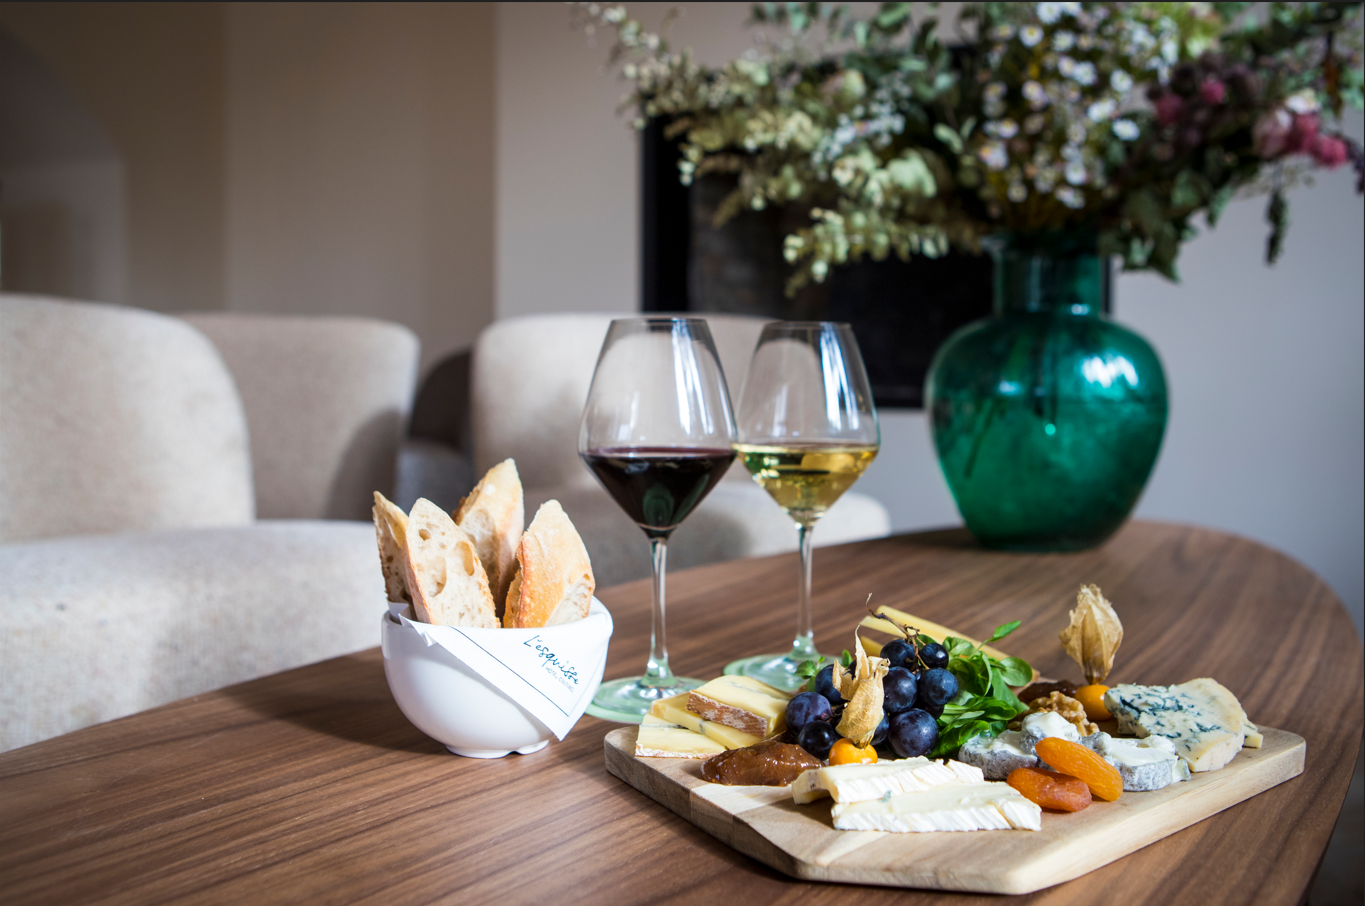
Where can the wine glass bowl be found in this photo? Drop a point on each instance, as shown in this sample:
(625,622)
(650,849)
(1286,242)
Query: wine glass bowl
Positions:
(807,430)
(658,434)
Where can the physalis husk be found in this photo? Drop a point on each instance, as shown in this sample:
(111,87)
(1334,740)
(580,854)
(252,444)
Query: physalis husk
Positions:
(862,689)
(1094,635)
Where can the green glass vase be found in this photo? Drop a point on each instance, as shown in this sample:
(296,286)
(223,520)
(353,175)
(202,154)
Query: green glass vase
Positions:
(1047,417)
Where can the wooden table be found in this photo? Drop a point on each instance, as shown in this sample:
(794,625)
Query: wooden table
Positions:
(310,786)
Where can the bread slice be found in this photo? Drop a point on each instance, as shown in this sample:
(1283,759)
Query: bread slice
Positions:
(390,530)
(554,582)
(447,581)
(493,516)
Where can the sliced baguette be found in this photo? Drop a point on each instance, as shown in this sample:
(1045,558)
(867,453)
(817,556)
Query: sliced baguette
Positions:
(553,583)
(447,581)
(390,529)
(493,516)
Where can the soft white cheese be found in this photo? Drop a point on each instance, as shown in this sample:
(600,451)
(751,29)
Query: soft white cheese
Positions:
(1144,764)
(955,807)
(862,782)
(997,756)
(1046,724)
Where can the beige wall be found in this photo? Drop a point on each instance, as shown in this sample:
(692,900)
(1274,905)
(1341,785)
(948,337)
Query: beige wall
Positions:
(360,164)
(153,75)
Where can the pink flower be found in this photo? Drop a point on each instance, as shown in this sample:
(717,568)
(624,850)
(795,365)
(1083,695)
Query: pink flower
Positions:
(1213,91)
(1271,133)
(1303,133)
(1328,150)
(1168,109)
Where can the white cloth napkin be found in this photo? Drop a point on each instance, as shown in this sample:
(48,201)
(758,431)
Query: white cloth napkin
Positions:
(551,672)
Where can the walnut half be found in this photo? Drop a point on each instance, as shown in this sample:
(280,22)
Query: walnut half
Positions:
(1065,705)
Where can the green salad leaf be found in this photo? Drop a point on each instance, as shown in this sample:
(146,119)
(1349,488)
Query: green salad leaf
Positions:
(985,704)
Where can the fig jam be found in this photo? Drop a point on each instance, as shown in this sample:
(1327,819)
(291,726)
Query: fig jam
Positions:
(770,763)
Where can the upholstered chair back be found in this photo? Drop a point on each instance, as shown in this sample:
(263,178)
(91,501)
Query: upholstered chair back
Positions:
(530,380)
(114,419)
(327,400)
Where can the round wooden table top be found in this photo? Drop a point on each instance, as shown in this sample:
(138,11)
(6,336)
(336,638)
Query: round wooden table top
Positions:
(311,786)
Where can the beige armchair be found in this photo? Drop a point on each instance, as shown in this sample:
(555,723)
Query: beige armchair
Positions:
(530,379)
(133,569)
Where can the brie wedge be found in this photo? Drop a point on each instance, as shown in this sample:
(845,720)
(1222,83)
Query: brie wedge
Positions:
(955,807)
(862,782)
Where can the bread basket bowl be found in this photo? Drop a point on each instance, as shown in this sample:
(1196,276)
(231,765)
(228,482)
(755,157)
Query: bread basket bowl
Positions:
(484,704)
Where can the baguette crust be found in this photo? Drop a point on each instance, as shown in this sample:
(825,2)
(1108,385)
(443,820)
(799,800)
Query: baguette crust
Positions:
(390,529)
(493,516)
(448,584)
(553,583)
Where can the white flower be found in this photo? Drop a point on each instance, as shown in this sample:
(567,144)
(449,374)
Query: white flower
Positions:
(993,155)
(1007,128)
(1085,42)
(994,108)
(1075,133)
(1070,9)
(1120,81)
(1049,13)
(1066,66)
(1045,181)
(614,14)
(1030,35)
(1101,109)
(1070,197)
(1071,92)
(1033,124)
(1170,51)
(1063,40)
(1075,173)
(1126,129)
(995,91)
(1303,102)
(1017,192)
(1084,73)
(1003,32)
(1070,152)
(1035,94)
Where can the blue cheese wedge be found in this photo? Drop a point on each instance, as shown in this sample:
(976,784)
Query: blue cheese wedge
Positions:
(674,710)
(996,756)
(1202,718)
(953,807)
(743,703)
(1144,764)
(863,782)
(659,738)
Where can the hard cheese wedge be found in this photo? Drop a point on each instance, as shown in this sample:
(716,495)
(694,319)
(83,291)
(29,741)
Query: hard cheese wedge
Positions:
(743,703)
(954,807)
(863,782)
(660,738)
(674,710)
(1203,719)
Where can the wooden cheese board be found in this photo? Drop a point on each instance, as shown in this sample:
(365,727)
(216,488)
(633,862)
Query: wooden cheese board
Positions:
(800,841)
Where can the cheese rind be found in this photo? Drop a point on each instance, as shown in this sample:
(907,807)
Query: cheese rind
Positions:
(675,711)
(954,807)
(863,782)
(1144,764)
(658,738)
(1203,719)
(743,703)
(997,756)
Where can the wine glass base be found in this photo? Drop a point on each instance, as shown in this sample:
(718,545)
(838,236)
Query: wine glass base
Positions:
(628,700)
(777,670)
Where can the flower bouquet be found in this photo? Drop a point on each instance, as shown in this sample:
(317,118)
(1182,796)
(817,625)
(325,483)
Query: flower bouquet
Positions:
(1121,121)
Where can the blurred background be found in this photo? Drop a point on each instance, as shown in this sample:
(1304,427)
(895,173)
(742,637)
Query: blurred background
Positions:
(448,165)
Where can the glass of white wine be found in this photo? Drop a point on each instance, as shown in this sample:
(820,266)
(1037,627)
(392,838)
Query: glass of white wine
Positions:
(807,430)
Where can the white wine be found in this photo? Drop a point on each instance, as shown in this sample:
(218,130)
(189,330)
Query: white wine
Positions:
(806,479)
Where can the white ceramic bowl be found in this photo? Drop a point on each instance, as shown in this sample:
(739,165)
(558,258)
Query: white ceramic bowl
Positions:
(450,702)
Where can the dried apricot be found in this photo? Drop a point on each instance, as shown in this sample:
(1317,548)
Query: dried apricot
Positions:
(1078,761)
(1050,789)
(1092,699)
(844,751)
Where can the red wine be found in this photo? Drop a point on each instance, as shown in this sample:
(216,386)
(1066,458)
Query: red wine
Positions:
(658,486)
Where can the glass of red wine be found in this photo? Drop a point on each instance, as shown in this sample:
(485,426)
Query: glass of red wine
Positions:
(657,433)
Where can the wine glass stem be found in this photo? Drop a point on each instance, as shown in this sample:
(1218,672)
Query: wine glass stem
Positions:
(803,646)
(657,672)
